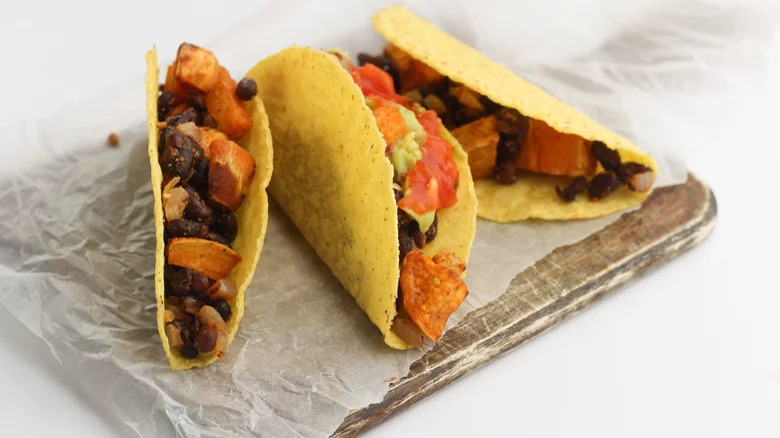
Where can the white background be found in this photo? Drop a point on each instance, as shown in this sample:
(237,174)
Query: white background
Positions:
(692,349)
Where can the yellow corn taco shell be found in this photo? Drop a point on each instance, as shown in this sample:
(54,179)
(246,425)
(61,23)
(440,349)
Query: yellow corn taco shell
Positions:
(252,216)
(332,178)
(533,196)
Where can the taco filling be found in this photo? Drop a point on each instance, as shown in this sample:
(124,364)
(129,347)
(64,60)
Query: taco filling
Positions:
(502,143)
(206,174)
(425,181)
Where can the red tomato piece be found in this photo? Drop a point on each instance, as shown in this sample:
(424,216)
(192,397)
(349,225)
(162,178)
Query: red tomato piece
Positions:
(374,81)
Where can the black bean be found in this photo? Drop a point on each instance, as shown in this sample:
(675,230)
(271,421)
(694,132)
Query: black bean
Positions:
(188,350)
(506,162)
(419,237)
(609,158)
(188,115)
(199,284)
(223,308)
(206,339)
(509,121)
(196,209)
(165,102)
(184,329)
(602,185)
(403,219)
(180,279)
(161,140)
(432,230)
(246,89)
(216,237)
(197,101)
(226,225)
(166,99)
(187,228)
(508,149)
(180,155)
(505,173)
(405,245)
(577,186)
(200,176)
(514,128)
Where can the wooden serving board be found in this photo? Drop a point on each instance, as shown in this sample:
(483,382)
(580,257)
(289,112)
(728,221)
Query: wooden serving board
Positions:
(566,281)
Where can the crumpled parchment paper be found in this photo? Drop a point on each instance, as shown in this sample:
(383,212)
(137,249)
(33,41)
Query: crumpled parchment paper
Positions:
(76,228)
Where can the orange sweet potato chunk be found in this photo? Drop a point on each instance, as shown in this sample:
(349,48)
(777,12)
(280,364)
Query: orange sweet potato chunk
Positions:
(390,122)
(414,74)
(213,259)
(231,169)
(227,109)
(196,67)
(208,135)
(178,89)
(480,140)
(547,151)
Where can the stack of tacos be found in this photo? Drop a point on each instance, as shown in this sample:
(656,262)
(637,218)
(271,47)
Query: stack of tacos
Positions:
(211,159)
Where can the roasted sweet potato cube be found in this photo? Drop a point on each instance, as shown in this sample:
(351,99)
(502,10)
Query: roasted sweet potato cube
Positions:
(390,122)
(196,67)
(231,169)
(548,151)
(208,135)
(213,259)
(227,109)
(178,89)
(480,140)
(419,75)
(414,74)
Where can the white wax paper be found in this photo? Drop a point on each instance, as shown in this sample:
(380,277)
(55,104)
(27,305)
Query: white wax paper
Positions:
(76,229)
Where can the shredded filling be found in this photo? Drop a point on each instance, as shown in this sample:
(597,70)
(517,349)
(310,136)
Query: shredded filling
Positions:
(502,143)
(201,112)
(425,182)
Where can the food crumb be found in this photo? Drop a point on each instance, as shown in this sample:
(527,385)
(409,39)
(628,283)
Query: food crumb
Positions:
(113,140)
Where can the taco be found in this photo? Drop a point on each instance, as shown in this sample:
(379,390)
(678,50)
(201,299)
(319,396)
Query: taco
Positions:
(531,155)
(211,157)
(376,185)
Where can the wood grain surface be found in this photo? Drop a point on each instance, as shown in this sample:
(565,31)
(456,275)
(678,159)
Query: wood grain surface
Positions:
(566,281)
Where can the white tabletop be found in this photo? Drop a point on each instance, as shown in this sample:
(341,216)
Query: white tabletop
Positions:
(692,349)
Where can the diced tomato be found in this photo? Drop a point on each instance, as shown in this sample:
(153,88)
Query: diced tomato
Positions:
(374,81)
(433,180)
